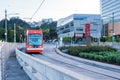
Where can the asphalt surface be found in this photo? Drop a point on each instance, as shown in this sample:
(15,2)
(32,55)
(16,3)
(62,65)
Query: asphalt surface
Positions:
(80,66)
(14,71)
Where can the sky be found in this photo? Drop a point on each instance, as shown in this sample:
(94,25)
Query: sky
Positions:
(55,9)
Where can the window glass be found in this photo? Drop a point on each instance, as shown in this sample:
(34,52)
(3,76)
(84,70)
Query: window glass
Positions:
(35,39)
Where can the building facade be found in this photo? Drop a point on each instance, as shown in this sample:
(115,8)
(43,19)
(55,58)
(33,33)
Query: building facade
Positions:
(110,11)
(74,25)
(49,20)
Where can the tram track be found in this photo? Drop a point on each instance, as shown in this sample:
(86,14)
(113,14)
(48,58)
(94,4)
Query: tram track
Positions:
(70,64)
(51,56)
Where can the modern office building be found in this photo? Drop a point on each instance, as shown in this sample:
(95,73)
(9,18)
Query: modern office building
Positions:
(74,25)
(110,11)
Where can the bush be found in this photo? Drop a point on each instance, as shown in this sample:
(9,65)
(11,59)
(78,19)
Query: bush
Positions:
(118,60)
(102,53)
(87,49)
(111,58)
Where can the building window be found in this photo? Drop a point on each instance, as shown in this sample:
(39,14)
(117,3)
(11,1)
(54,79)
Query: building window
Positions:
(66,31)
(79,29)
(67,26)
(71,24)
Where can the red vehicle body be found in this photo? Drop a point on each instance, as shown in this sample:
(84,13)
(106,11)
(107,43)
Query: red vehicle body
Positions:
(34,41)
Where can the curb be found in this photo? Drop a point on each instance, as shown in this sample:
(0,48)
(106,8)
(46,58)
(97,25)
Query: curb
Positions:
(99,67)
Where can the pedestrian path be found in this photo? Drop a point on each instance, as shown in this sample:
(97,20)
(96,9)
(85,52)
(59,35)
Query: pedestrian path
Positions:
(0,61)
(14,70)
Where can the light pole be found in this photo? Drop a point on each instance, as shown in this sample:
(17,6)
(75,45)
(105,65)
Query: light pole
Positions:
(113,29)
(6,23)
(14,33)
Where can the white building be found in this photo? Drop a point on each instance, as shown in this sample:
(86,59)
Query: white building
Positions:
(49,20)
(74,25)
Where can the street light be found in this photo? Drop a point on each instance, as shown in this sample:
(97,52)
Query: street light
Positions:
(14,33)
(113,29)
(6,23)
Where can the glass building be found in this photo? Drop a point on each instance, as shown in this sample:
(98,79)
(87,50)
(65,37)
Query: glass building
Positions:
(110,11)
(74,25)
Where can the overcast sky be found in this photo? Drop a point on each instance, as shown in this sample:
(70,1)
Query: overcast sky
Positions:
(55,9)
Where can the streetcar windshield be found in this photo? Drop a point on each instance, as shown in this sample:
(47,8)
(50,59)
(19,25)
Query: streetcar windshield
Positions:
(35,39)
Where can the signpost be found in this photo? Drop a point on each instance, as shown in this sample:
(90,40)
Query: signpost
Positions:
(87,34)
(87,29)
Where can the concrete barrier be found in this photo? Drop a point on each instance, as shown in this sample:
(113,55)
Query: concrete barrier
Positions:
(6,50)
(42,70)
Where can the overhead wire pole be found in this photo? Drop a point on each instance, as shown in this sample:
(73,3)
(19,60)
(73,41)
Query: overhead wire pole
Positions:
(37,9)
(14,33)
(5,25)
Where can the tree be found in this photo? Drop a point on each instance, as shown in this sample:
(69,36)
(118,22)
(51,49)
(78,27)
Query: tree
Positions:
(21,27)
(2,33)
(49,30)
(10,35)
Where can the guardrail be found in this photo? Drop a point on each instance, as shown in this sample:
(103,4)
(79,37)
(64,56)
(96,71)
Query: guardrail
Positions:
(6,50)
(41,70)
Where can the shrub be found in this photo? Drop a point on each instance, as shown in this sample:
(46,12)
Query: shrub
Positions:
(118,60)
(111,58)
(102,53)
(91,56)
(87,49)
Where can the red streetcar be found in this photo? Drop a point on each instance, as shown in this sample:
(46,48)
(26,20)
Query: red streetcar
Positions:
(34,41)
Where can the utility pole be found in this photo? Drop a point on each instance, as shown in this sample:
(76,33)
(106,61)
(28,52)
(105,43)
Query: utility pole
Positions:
(14,33)
(5,25)
(113,30)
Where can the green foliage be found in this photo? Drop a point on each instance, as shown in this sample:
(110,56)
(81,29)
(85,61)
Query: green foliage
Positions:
(117,39)
(108,39)
(89,49)
(10,35)
(109,57)
(2,33)
(118,60)
(49,30)
(103,39)
(102,53)
(21,27)
(18,22)
(66,39)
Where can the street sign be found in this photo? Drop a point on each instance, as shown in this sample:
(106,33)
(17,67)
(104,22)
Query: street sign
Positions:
(87,29)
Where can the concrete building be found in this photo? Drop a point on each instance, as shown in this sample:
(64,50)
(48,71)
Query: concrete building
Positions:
(110,11)
(74,25)
(49,20)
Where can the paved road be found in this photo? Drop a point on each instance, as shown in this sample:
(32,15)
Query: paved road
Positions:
(50,55)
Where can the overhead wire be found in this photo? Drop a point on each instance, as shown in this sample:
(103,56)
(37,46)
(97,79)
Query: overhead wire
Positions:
(37,9)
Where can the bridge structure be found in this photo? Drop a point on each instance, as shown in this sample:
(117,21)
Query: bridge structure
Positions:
(51,65)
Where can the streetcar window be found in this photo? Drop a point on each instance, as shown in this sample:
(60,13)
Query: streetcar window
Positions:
(35,39)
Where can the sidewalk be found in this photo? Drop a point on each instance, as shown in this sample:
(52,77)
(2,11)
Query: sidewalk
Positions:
(14,70)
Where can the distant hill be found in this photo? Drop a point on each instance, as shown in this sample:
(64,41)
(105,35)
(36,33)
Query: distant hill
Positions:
(21,27)
(13,20)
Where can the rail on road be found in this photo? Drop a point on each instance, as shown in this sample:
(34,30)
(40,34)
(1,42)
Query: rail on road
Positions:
(40,70)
